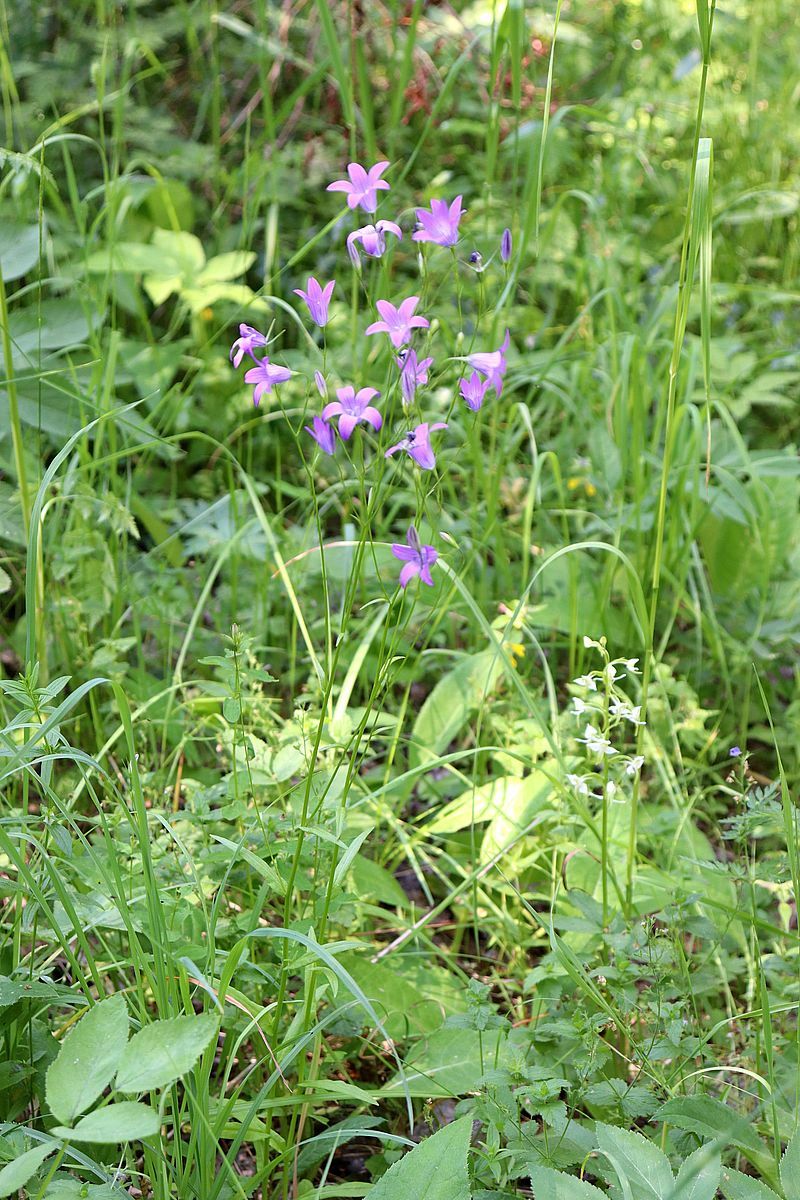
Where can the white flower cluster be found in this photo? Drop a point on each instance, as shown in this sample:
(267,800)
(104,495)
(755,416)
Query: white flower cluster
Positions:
(604,708)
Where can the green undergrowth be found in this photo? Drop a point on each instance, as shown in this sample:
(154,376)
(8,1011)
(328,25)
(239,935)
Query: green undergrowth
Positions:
(316,886)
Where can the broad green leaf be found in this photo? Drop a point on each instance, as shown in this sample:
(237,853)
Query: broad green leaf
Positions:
(76,1189)
(88,1059)
(161,1052)
(646,1168)
(223,267)
(488,802)
(554,1185)
(790,1168)
(133,258)
(711,1119)
(436,1169)
(128,1121)
(199,298)
(698,1177)
(736,1186)
(454,698)
(19,249)
(13,990)
(181,249)
(17,1173)
(450,1062)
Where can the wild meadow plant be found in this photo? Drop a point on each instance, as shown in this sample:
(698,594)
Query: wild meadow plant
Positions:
(390,803)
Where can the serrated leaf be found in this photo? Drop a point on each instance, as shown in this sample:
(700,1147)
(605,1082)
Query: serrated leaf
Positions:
(128,1121)
(698,1177)
(88,1059)
(790,1168)
(161,1052)
(436,1169)
(646,1168)
(17,1173)
(555,1185)
(736,1186)
(711,1119)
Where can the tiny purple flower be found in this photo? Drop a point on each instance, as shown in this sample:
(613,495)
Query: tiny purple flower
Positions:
(505,246)
(323,434)
(492,364)
(413,372)
(474,391)
(362,187)
(417,445)
(735,751)
(246,343)
(265,375)
(398,322)
(322,387)
(372,239)
(440,225)
(317,298)
(351,408)
(418,559)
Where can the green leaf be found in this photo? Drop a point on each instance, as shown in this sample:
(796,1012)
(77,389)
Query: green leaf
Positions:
(88,1059)
(19,249)
(554,1185)
(436,1169)
(713,1120)
(449,705)
(790,1168)
(698,1177)
(16,1174)
(128,1121)
(448,1063)
(736,1186)
(644,1167)
(160,1053)
(223,267)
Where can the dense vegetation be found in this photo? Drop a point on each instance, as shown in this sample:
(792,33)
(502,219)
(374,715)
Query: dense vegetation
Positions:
(313,884)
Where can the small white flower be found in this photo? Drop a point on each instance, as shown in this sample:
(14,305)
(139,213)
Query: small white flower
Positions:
(611,674)
(579,783)
(580,706)
(611,790)
(595,742)
(630,665)
(587,641)
(587,681)
(635,765)
(619,708)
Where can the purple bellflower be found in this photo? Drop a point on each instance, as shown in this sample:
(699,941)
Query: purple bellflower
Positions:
(246,343)
(473,391)
(492,364)
(440,225)
(265,375)
(372,239)
(351,408)
(418,559)
(505,246)
(322,387)
(323,434)
(317,299)
(362,187)
(417,445)
(413,372)
(398,322)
